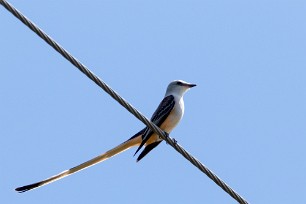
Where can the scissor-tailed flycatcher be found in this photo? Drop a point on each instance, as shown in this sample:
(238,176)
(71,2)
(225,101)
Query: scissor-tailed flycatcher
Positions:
(167,115)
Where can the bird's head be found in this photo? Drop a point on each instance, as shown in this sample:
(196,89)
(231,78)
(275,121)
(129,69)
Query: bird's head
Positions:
(178,87)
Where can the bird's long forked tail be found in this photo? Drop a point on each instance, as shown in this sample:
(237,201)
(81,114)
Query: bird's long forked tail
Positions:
(133,141)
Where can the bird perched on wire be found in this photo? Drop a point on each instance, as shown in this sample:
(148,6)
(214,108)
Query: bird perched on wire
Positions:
(166,117)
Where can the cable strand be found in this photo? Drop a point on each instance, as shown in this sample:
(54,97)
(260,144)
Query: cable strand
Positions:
(121,101)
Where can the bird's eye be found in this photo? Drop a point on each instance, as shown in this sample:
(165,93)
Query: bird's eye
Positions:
(179,83)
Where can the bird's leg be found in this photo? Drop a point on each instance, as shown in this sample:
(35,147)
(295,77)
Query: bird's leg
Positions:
(167,136)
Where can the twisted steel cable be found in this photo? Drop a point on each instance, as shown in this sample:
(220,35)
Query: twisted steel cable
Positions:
(121,101)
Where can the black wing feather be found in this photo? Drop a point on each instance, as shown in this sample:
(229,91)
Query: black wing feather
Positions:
(158,117)
(147,149)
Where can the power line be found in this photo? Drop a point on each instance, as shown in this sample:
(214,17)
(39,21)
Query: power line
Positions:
(124,103)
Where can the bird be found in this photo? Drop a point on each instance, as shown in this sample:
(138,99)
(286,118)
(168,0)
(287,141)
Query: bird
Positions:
(167,115)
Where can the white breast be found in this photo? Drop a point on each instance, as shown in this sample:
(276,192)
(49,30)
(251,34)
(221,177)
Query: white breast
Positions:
(175,115)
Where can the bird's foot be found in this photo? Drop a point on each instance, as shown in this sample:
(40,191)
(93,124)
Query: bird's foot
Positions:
(167,136)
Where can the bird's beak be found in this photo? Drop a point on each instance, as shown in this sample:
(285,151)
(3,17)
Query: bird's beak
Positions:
(191,85)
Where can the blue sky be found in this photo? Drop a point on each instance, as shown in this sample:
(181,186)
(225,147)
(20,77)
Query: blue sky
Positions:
(245,120)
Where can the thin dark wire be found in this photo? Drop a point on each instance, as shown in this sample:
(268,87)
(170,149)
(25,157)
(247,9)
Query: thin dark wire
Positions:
(125,104)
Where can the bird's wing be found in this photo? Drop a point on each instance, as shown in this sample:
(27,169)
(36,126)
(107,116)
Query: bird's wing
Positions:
(133,141)
(147,149)
(158,117)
